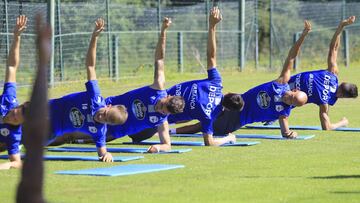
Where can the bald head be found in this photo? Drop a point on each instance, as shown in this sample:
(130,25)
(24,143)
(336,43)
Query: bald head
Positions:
(300,98)
(295,98)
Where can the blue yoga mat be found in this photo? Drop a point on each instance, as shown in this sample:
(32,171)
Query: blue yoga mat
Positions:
(115,150)
(252,136)
(81,158)
(192,143)
(300,128)
(123,170)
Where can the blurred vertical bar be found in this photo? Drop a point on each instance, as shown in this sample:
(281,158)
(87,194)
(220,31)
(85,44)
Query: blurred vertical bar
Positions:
(180,52)
(6,25)
(51,21)
(345,36)
(58,23)
(241,39)
(158,9)
(109,39)
(115,57)
(256,6)
(271,35)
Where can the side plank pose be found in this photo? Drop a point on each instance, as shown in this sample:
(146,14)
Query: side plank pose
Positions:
(203,98)
(10,128)
(149,106)
(321,86)
(269,101)
(84,112)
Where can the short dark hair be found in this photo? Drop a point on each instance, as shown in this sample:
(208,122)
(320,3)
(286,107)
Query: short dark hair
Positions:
(175,104)
(233,102)
(348,90)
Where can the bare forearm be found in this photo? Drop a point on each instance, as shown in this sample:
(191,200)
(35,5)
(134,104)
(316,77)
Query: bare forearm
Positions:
(91,58)
(195,128)
(294,51)
(160,47)
(14,53)
(211,47)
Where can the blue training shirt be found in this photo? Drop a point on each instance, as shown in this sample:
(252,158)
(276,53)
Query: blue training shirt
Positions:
(9,134)
(75,113)
(140,104)
(202,100)
(320,86)
(264,103)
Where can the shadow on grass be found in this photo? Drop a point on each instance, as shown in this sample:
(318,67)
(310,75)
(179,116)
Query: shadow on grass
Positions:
(337,177)
(346,192)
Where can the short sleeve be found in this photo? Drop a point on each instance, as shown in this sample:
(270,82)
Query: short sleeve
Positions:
(92,88)
(100,137)
(206,126)
(214,75)
(14,143)
(9,89)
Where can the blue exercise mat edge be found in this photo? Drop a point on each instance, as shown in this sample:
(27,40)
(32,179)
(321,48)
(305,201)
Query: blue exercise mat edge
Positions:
(252,136)
(191,143)
(81,158)
(115,150)
(130,169)
(300,128)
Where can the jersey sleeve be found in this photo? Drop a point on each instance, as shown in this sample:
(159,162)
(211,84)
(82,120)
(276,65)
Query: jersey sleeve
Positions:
(92,88)
(207,126)
(13,142)
(214,75)
(100,137)
(9,89)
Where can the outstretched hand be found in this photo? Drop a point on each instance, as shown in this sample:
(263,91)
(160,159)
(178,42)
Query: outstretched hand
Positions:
(348,21)
(99,26)
(307,26)
(215,16)
(166,23)
(20,24)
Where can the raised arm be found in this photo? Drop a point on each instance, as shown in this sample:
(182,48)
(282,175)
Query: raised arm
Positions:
(214,18)
(325,119)
(159,72)
(335,44)
(91,53)
(14,53)
(294,51)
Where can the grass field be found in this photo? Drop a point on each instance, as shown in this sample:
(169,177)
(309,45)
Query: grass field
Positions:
(323,169)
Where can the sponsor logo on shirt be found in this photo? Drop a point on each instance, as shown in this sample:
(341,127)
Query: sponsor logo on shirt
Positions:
(4,132)
(76,117)
(193,96)
(178,90)
(263,100)
(93,129)
(326,90)
(153,119)
(138,109)
(279,108)
(84,106)
(211,97)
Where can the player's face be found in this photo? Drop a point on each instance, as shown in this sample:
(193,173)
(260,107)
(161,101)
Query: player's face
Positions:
(15,116)
(161,105)
(289,98)
(101,115)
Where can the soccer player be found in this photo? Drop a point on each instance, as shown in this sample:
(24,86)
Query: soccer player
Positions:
(149,106)
(10,128)
(203,98)
(321,86)
(269,101)
(84,112)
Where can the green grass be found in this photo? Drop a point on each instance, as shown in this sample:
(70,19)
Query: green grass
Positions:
(323,169)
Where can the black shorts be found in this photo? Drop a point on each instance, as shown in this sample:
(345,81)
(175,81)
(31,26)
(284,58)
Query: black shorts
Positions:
(226,122)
